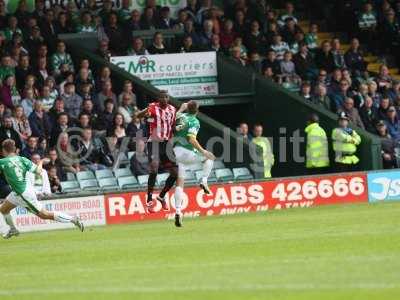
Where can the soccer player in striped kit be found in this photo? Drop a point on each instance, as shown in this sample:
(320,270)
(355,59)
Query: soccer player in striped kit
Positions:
(161,119)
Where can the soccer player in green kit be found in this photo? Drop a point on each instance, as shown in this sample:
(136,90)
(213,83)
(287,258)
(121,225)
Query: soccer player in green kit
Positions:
(15,169)
(188,151)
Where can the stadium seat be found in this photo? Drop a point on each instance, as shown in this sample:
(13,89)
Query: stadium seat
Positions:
(70,186)
(224,174)
(85,175)
(242,174)
(108,183)
(130,154)
(89,185)
(123,159)
(211,178)
(218,164)
(127,182)
(123,172)
(142,179)
(104,174)
(161,178)
(71,176)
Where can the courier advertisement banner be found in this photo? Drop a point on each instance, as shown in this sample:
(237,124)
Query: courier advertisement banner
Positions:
(384,186)
(181,74)
(230,199)
(90,209)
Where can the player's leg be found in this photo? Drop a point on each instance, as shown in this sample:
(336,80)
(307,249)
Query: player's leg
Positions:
(179,194)
(207,168)
(167,159)
(31,202)
(5,209)
(152,152)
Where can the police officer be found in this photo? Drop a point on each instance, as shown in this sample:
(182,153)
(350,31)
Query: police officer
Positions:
(317,153)
(345,141)
(265,146)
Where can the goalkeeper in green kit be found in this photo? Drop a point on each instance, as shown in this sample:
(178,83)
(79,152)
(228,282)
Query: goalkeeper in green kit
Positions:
(15,169)
(188,152)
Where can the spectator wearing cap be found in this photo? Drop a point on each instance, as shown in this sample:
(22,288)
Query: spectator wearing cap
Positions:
(388,146)
(368,114)
(351,112)
(345,141)
(157,47)
(393,124)
(320,97)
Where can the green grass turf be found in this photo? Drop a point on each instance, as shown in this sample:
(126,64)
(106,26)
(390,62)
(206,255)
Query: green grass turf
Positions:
(336,252)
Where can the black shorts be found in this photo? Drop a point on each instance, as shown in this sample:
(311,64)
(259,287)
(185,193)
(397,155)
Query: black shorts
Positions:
(162,153)
(5,190)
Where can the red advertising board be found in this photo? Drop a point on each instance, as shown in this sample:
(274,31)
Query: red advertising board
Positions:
(244,197)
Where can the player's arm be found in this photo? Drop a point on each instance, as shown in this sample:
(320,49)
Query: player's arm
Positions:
(193,141)
(143,113)
(181,109)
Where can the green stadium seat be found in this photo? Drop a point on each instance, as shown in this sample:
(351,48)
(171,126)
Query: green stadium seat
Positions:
(211,178)
(242,174)
(161,178)
(70,186)
(106,173)
(218,164)
(127,182)
(89,185)
(85,175)
(110,183)
(224,174)
(71,176)
(123,172)
(142,179)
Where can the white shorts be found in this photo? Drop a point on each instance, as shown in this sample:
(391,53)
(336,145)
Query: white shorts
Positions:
(186,158)
(27,199)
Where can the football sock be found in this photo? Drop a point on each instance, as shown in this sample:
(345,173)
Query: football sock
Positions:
(9,221)
(207,167)
(169,183)
(178,199)
(62,218)
(150,186)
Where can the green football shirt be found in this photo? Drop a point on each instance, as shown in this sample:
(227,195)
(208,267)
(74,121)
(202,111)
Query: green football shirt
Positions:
(14,169)
(187,125)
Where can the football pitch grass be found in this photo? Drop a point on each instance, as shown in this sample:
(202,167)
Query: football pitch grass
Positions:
(336,252)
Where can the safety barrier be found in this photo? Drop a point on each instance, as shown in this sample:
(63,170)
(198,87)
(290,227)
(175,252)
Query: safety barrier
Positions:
(227,199)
